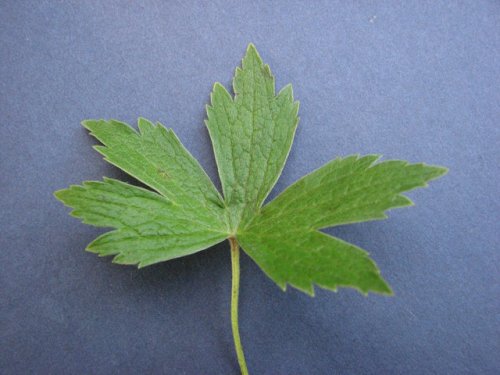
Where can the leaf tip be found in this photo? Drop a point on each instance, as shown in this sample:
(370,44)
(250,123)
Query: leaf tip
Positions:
(122,260)
(91,249)
(87,124)
(251,48)
(253,54)
(382,288)
(307,289)
(281,284)
(311,292)
(439,171)
(388,292)
(59,194)
(100,149)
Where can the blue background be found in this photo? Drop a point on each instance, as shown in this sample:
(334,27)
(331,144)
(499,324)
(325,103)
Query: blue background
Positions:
(418,81)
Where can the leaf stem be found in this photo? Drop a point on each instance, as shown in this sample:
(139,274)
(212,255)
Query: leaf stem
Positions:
(235,289)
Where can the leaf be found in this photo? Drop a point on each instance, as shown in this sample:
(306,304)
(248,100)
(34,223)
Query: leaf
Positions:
(283,239)
(251,134)
(156,157)
(185,217)
(303,257)
(149,227)
(347,190)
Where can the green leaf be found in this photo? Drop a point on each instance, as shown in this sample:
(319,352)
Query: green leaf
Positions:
(156,157)
(283,239)
(348,190)
(251,133)
(185,216)
(149,227)
(302,257)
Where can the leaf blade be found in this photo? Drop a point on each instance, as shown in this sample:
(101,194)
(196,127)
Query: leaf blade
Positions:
(148,227)
(155,156)
(303,258)
(251,135)
(349,190)
(283,239)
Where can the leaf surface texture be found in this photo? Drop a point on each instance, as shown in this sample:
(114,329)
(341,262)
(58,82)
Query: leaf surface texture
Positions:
(252,132)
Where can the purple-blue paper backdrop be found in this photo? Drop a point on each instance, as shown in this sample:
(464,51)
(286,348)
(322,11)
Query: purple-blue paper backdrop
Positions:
(417,80)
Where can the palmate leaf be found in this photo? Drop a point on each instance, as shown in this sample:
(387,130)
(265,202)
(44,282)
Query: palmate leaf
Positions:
(149,227)
(186,214)
(251,133)
(283,238)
